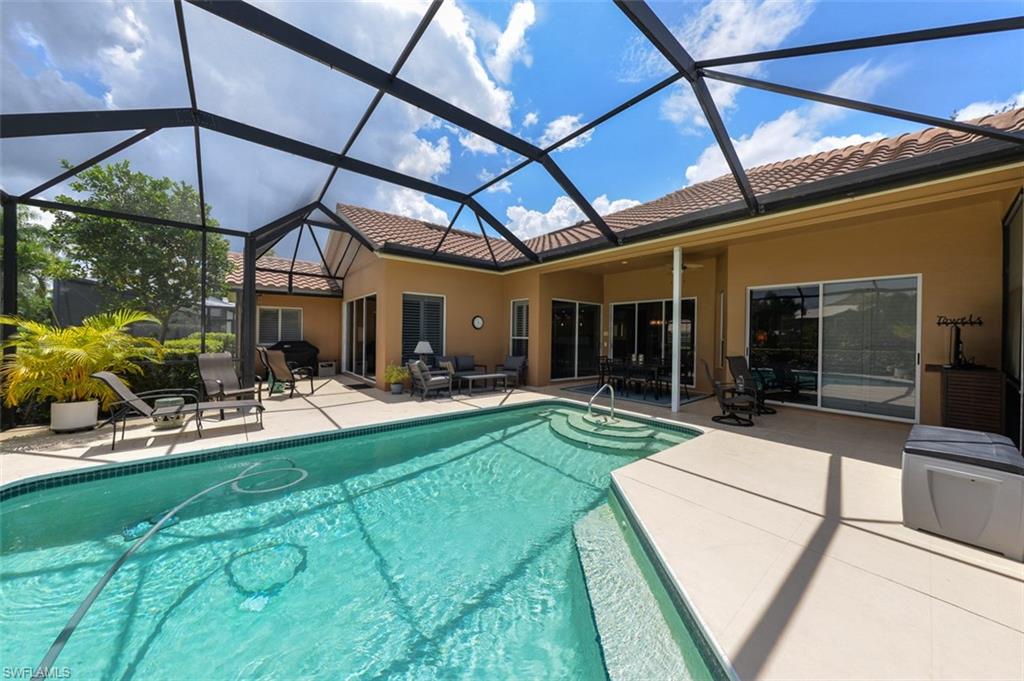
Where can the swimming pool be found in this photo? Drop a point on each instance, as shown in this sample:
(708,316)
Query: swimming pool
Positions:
(437,550)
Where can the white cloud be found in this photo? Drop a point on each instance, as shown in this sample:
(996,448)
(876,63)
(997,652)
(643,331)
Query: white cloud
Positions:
(719,28)
(477,144)
(797,132)
(410,204)
(501,187)
(426,160)
(511,47)
(562,126)
(128,56)
(526,223)
(531,118)
(979,109)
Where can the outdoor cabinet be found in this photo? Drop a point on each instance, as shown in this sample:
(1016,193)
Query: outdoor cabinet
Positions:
(973,399)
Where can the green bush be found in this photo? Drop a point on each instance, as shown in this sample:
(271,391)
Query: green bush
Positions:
(190,345)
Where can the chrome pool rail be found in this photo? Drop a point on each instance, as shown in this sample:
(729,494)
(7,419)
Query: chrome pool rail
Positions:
(590,404)
(42,672)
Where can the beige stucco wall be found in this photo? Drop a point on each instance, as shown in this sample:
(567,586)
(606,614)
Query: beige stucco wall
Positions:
(956,248)
(320,317)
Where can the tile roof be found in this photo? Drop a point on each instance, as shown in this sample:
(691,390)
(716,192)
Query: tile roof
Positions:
(386,228)
(277,281)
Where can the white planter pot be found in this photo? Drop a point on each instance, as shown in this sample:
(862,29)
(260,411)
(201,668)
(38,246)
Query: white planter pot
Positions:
(70,416)
(397,388)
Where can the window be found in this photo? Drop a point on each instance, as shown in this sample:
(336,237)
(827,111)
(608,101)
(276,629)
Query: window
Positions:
(275,324)
(520,328)
(422,320)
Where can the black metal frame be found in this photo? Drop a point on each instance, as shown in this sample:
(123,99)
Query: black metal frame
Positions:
(145,122)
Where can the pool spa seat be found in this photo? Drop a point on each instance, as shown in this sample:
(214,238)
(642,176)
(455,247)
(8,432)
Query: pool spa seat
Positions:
(966,485)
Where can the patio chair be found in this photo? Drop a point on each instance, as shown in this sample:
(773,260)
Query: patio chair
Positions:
(742,375)
(280,371)
(515,367)
(732,403)
(131,404)
(220,382)
(425,381)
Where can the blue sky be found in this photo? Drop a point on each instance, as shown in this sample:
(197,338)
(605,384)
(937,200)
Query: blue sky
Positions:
(537,69)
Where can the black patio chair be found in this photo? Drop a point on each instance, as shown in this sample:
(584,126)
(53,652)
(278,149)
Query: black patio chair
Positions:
(132,404)
(732,403)
(515,367)
(742,376)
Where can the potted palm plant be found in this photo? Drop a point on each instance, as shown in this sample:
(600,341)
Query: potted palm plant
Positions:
(396,376)
(56,364)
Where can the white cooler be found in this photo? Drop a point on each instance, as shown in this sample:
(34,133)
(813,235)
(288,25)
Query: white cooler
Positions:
(966,485)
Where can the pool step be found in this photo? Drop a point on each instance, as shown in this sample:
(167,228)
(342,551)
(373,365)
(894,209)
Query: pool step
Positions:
(621,435)
(637,641)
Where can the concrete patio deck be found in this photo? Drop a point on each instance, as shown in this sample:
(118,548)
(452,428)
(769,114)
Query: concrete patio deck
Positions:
(786,537)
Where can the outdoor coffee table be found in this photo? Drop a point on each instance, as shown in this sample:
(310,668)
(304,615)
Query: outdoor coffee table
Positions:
(469,378)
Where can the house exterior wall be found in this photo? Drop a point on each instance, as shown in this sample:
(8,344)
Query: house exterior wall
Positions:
(320,315)
(956,247)
(947,231)
(466,292)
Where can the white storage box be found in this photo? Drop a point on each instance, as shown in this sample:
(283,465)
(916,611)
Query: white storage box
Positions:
(966,485)
(327,369)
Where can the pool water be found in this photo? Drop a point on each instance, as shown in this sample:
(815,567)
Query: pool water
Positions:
(436,551)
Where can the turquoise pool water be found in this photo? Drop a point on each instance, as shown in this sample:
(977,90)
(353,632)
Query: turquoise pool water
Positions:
(436,551)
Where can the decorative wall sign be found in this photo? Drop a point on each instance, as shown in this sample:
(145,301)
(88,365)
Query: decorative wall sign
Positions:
(957,358)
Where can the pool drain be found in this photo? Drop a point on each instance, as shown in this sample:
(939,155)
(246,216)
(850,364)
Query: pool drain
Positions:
(258,574)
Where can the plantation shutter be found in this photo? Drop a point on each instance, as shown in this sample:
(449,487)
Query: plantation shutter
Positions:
(520,327)
(422,319)
(267,323)
(291,325)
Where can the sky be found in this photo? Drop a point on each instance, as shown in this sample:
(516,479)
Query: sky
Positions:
(536,69)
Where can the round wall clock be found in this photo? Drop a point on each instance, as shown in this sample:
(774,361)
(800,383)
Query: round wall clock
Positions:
(478,322)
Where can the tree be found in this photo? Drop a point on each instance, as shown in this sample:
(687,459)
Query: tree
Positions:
(154,268)
(38,265)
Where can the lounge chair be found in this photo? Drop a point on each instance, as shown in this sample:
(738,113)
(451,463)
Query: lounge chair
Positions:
(515,367)
(281,371)
(741,374)
(732,403)
(217,370)
(425,381)
(131,404)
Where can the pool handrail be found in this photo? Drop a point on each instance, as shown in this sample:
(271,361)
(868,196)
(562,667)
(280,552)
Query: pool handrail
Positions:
(590,404)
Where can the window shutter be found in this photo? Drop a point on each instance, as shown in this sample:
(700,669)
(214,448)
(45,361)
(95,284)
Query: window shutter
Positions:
(291,325)
(520,319)
(422,319)
(268,322)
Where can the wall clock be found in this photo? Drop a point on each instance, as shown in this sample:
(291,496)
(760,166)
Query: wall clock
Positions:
(478,322)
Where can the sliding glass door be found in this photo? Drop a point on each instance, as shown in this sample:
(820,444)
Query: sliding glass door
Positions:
(869,347)
(849,346)
(361,340)
(575,339)
(784,341)
(645,328)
